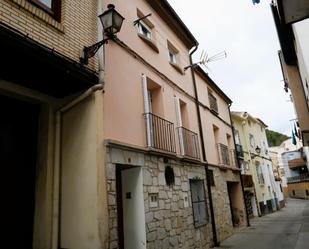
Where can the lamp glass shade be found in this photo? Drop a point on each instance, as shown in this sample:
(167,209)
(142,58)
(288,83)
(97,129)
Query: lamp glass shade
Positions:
(258,150)
(111,20)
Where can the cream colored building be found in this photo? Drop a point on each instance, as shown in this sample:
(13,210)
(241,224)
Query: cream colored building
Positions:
(260,188)
(122,152)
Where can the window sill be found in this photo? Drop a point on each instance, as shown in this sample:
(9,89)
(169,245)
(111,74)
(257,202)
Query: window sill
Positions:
(177,68)
(149,42)
(39,14)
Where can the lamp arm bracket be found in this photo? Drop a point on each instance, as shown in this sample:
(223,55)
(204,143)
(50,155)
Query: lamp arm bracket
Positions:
(140,19)
(90,51)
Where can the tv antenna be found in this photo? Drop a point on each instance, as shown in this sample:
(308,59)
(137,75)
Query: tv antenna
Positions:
(205,59)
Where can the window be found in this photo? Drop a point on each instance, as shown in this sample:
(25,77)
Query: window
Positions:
(212,102)
(237,137)
(307,192)
(172,55)
(198,202)
(144,30)
(259,174)
(251,140)
(153,198)
(211,178)
(52,7)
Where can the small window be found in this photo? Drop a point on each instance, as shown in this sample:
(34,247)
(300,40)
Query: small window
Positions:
(211,178)
(293,192)
(252,142)
(144,30)
(153,198)
(213,102)
(52,7)
(199,207)
(172,55)
(307,192)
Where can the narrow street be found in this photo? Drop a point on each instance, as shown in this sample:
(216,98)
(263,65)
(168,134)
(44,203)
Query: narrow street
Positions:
(285,229)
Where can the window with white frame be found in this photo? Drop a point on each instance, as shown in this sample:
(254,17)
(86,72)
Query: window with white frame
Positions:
(198,199)
(144,30)
(172,56)
(237,137)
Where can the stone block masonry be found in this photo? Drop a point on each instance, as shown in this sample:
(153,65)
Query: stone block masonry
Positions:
(170,222)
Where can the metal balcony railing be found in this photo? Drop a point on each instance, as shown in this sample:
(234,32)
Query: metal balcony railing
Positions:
(224,157)
(239,151)
(160,133)
(189,141)
(300,178)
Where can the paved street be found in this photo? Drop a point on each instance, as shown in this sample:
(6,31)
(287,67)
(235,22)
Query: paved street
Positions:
(285,229)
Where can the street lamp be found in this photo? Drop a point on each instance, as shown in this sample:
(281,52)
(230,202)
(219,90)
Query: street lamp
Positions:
(257,150)
(111,21)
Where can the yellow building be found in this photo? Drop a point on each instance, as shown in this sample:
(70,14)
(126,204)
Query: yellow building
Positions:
(261,190)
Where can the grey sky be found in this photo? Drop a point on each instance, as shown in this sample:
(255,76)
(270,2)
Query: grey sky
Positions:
(251,74)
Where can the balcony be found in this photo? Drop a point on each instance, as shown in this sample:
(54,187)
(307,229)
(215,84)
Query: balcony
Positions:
(160,133)
(300,178)
(224,157)
(296,163)
(239,151)
(189,143)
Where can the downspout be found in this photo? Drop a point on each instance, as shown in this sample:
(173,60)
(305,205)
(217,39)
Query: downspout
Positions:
(213,222)
(56,231)
(101,50)
(238,165)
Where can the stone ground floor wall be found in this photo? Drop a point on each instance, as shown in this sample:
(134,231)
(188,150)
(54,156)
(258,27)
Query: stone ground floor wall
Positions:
(170,224)
(298,190)
(221,202)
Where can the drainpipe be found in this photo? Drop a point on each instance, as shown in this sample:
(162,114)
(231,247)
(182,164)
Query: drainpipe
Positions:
(57,164)
(213,223)
(238,165)
(101,50)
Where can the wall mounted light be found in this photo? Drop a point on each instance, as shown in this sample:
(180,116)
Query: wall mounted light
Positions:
(111,21)
(257,150)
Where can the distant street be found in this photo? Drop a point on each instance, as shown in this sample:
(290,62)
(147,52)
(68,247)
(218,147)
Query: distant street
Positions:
(285,229)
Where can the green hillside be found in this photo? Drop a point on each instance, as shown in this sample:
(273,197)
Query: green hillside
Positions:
(275,138)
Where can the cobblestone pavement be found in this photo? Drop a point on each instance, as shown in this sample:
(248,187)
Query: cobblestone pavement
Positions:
(284,229)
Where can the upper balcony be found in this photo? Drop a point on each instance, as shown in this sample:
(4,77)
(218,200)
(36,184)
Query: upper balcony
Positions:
(300,178)
(227,157)
(160,133)
(189,144)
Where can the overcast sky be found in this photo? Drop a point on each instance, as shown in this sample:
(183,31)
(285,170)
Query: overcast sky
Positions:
(251,74)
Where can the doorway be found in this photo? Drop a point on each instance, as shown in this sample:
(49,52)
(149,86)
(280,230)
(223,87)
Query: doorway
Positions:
(18,158)
(130,208)
(235,199)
